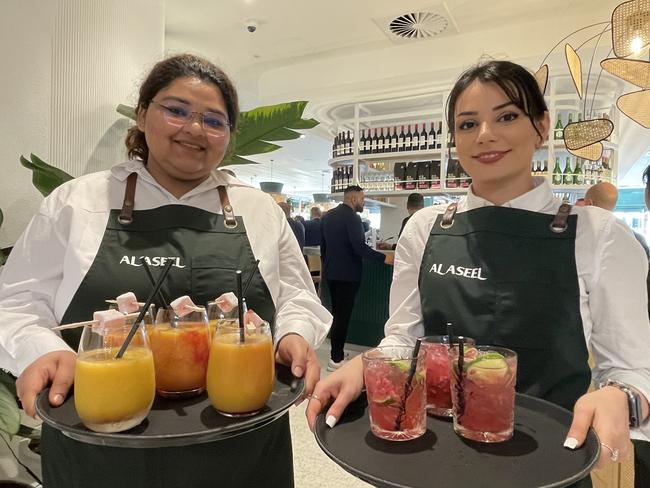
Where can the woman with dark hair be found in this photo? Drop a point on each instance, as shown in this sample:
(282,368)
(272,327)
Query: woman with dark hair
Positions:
(166,201)
(553,279)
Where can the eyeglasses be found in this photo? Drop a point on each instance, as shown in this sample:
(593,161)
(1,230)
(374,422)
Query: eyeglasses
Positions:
(213,123)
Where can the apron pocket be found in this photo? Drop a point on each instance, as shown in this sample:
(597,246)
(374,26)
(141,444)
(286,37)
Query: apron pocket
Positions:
(212,276)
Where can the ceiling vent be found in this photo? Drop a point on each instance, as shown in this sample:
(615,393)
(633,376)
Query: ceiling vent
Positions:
(418,26)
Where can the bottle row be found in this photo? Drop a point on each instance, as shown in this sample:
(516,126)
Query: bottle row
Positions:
(581,172)
(558,131)
(390,139)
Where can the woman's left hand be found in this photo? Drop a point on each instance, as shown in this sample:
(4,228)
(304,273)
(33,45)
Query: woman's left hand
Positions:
(294,351)
(606,411)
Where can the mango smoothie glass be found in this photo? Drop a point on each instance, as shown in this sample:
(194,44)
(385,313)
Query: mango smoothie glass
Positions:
(113,395)
(241,374)
(181,347)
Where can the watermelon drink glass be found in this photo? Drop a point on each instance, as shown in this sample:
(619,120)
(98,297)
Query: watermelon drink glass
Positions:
(397,411)
(436,349)
(483,392)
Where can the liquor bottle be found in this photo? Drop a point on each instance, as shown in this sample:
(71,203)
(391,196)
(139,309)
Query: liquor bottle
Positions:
(558,134)
(567,175)
(431,138)
(578,176)
(400,139)
(393,140)
(557,172)
(423,138)
(380,140)
(439,135)
(415,139)
(407,139)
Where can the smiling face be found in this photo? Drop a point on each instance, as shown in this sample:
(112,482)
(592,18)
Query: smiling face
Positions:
(181,157)
(495,141)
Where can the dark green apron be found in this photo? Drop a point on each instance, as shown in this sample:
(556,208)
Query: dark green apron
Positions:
(504,277)
(207,249)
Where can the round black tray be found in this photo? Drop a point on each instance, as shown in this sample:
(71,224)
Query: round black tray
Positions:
(533,458)
(176,422)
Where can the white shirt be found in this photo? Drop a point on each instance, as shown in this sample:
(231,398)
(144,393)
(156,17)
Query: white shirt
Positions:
(612,269)
(55,252)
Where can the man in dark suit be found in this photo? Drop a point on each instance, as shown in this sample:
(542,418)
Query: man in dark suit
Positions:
(312,227)
(343,247)
(414,203)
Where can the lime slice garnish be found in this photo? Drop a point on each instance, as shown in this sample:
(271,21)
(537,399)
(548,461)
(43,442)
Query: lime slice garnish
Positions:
(401,364)
(490,367)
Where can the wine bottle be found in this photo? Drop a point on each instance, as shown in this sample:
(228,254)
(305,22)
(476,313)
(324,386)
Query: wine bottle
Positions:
(380,141)
(373,142)
(578,176)
(415,139)
(435,174)
(558,133)
(557,172)
(393,140)
(400,139)
(567,175)
(545,168)
(439,135)
(431,138)
(423,138)
(407,139)
(334,144)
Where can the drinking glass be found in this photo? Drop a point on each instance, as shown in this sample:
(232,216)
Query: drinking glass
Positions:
(222,321)
(241,374)
(112,395)
(483,392)
(181,347)
(397,411)
(436,349)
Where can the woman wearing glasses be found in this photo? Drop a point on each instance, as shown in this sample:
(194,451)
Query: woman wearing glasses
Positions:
(167,201)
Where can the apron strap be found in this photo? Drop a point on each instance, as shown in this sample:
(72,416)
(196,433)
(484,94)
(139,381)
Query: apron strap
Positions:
(448,216)
(559,223)
(228,215)
(126,215)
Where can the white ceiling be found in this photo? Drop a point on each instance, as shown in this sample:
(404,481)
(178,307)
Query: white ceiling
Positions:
(335,51)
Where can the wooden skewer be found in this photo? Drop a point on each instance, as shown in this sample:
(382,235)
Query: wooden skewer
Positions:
(115,301)
(74,325)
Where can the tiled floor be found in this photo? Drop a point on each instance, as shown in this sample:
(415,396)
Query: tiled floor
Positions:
(313,469)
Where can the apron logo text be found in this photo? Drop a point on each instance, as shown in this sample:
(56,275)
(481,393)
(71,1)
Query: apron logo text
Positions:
(154,261)
(472,273)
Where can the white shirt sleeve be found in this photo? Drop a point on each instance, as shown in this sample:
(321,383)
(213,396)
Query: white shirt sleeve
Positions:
(30,281)
(618,304)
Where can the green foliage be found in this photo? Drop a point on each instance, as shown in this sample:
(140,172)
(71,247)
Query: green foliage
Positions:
(45,178)
(258,129)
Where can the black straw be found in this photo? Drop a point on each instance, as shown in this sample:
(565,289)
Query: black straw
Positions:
(450,334)
(161,294)
(240,306)
(408,387)
(144,309)
(250,277)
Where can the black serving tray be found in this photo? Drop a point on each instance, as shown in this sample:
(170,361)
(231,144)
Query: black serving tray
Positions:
(533,458)
(176,422)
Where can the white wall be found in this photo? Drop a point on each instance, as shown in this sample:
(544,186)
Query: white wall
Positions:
(69,64)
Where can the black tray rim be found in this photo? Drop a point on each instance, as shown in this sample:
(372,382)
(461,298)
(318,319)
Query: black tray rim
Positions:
(376,481)
(124,439)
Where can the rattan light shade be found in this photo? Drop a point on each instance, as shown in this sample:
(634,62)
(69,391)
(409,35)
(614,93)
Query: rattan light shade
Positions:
(636,105)
(630,21)
(592,153)
(542,77)
(631,70)
(575,67)
(582,134)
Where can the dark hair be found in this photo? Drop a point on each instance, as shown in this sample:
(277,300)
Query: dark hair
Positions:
(646,175)
(519,85)
(166,72)
(415,200)
(352,188)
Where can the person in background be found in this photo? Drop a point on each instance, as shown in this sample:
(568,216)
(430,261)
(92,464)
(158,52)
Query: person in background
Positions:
(312,227)
(605,196)
(343,248)
(414,203)
(168,199)
(567,278)
(297,228)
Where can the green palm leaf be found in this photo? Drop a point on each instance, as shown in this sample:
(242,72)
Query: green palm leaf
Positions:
(45,178)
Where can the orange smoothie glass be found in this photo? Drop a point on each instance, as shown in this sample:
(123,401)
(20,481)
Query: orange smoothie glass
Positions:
(222,321)
(113,395)
(241,375)
(181,347)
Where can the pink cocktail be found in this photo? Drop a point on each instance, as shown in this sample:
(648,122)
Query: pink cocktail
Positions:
(483,392)
(396,408)
(436,349)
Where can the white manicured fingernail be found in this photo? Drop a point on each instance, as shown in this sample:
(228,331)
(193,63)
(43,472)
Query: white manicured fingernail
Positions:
(571,443)
(330,421)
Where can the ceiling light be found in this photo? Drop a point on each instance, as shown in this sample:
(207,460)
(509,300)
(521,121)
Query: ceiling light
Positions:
(636,45)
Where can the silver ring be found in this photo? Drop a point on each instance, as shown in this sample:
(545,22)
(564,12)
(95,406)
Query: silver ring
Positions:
(613,452)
